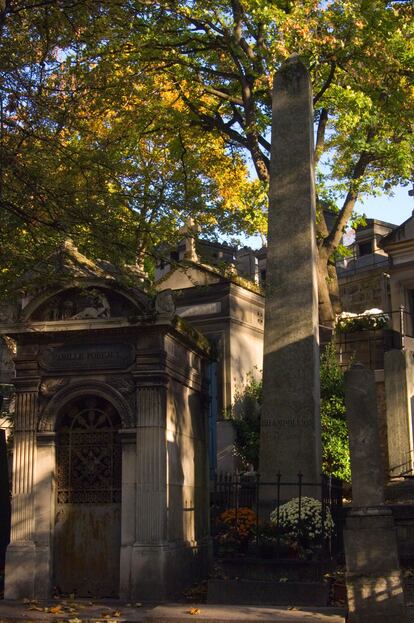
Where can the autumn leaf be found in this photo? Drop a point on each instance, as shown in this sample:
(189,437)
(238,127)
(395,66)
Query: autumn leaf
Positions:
(56,609)
(194,611)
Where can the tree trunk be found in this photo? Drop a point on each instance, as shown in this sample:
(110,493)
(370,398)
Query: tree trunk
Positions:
(333,285)
(327,282)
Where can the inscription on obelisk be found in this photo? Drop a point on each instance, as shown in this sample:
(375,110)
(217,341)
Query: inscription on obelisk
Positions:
(290,427)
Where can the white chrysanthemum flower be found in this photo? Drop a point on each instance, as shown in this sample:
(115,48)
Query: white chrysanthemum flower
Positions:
(306,522)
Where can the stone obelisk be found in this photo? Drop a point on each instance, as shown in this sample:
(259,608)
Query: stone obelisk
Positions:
(290,426)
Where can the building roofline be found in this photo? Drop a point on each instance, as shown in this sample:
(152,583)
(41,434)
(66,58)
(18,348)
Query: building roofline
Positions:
(389,239)
(374,221)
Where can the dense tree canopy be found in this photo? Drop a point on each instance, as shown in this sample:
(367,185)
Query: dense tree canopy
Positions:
(119,119)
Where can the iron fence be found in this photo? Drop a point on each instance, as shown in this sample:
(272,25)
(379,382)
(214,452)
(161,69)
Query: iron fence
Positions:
(367,343)
(250,515)
(355,264)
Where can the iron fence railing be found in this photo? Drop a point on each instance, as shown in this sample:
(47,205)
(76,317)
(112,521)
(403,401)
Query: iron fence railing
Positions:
(249,514)
(354,264)
(366,339)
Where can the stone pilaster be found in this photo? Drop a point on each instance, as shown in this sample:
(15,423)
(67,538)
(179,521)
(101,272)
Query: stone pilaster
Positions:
(150,552)
(151,465)
(20,558)
(44,508)
(128,518)
(22,527)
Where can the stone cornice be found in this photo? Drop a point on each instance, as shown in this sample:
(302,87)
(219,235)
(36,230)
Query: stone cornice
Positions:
(59,326)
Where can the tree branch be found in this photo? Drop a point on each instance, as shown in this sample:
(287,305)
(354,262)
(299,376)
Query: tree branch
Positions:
(327,83)
(320,136)
(222,95)
(332,241)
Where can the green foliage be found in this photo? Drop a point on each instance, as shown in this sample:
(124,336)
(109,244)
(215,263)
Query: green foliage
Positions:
(335,445)
(96,148)
(331,374)
(119,119)
(245,415)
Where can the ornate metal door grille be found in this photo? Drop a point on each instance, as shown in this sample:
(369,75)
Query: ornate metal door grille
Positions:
(89,454)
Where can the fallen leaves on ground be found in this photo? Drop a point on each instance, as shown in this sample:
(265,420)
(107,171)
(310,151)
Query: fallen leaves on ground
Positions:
(61,608)
(194,611)
(56,609)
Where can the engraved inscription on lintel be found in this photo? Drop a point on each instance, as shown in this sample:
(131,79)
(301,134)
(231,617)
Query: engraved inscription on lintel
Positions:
(287,422)
(86,356)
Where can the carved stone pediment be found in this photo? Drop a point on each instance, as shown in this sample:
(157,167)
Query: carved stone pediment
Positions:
(91,303)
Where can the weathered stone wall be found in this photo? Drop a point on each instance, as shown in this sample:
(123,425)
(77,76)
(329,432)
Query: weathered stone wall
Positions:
(187,473)
(246,357)
(360,292)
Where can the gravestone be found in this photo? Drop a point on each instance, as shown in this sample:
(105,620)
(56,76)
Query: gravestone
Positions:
(290,427)
(373,575)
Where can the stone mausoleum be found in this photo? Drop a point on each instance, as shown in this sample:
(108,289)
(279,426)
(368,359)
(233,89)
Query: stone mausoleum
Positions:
(110,471)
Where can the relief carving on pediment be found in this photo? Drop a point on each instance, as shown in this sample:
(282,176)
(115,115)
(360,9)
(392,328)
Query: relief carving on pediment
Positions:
(88,304)
(85,304)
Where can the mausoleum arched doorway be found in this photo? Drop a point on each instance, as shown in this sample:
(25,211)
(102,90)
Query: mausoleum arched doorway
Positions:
(88,498)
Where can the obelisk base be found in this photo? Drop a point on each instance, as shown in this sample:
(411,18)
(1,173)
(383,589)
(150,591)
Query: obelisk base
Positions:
(373,576)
